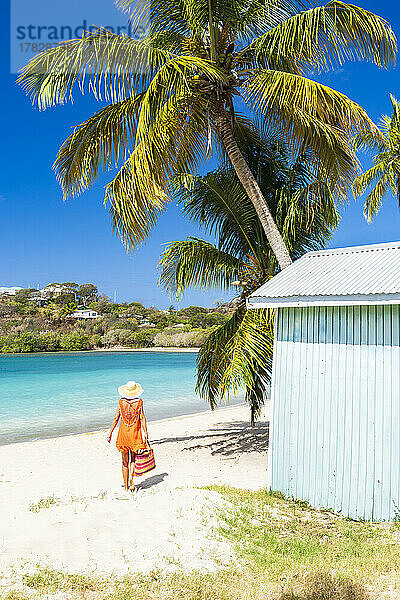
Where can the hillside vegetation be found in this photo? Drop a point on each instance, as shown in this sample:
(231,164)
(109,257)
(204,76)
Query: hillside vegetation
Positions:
(34,322)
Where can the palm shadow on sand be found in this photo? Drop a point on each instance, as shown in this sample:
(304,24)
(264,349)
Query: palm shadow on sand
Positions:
(227,439)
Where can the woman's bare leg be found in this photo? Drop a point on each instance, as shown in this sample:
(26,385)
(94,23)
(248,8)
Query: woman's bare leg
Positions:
(125,469)
(132,470)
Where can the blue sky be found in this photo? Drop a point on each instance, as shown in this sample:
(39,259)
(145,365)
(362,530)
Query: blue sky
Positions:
(43,239)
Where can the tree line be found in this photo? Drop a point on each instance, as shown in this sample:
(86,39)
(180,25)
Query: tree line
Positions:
(27,327)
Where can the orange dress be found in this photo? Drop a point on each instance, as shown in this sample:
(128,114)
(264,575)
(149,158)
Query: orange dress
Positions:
(130,432)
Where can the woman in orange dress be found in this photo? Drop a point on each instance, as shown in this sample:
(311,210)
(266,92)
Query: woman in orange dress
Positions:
(132,434)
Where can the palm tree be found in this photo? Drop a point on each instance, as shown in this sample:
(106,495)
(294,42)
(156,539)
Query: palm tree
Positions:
(67,310)
(174,93)
(385,174)
(239,353)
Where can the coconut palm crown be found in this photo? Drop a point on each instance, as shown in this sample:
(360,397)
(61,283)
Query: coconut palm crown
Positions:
(238,354)
(385,173)
(173,95)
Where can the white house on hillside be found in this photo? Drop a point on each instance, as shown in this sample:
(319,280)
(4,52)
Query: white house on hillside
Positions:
(10,291)
(146,323)
(84,313)
(52,290)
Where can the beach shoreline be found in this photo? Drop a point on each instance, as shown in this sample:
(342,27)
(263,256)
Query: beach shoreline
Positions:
(102,430)
(115,349)
(62,503)
(152,349)
(67,393)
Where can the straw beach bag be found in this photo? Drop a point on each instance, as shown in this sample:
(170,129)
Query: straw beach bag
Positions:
(144,462)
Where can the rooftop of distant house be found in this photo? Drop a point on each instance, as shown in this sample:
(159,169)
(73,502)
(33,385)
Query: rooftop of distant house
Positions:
(10,290)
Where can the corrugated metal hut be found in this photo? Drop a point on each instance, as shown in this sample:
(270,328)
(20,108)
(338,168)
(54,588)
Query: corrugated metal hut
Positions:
(335,426)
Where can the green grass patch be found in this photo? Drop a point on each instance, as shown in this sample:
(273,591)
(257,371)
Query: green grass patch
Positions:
(50,501)
(13,595)
(286,551)
(284,540)
(44,503)
(52,581)
(229,584)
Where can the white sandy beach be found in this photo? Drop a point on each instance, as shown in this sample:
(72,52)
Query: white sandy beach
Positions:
(92,524)
(152,349)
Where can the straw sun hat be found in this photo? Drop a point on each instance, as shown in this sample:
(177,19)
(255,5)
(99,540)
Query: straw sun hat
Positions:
(130,390)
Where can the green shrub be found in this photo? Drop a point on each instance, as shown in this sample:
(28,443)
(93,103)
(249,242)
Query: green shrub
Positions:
(22,342)
(181,339)
(190,311)
(99,327)
(7,345)
(50,341)
(117,337)
(96,341)
(75,342)
(143,339)
(207,320)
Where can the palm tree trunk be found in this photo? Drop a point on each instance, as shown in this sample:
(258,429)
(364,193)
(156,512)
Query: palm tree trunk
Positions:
(252,189)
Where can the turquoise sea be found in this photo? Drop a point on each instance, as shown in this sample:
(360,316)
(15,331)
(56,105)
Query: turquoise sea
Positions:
(52,394)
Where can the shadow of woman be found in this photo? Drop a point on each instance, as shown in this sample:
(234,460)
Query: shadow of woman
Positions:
(150,481)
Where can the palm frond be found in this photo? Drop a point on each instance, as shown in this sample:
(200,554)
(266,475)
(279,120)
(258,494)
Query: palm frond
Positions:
(313,116)
(364,180)
(385,173)
(172,78)
(367,140)
(213,358)
(307,216)
(112,67)
(168,15)
(303,208)
(269,90)
(219,204)
(374,199)
(326,36)
(395,120)
(257,394)
(135,202)
(190,17)
(100,142)
(332,156)
(195,262)
(234,354)
(140,191)
(260,16)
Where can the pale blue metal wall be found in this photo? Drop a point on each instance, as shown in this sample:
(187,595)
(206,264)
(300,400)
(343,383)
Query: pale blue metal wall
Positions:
(335,432)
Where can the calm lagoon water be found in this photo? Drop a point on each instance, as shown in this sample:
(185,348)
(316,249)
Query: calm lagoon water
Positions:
(46,395)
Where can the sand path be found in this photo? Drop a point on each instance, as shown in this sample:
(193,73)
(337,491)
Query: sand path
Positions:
(89,523)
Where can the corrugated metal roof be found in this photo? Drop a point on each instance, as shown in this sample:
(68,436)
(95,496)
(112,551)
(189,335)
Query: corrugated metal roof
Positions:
(354,275)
